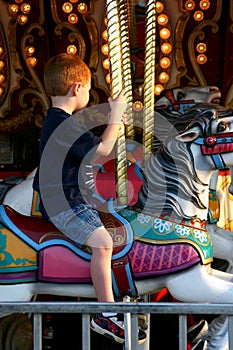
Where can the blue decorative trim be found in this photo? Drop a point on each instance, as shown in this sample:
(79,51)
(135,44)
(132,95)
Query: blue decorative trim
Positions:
(18,281)
(132,290)
(137,169)
(85,255)
(115,287)
(217,161)
(10,225)
(18,269)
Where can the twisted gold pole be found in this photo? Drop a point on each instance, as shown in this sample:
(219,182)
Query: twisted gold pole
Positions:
(126,64)
(149,79)
(132,24)
(114,47)
(119,57)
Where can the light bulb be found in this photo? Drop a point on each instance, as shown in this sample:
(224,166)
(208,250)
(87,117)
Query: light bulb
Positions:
(165,62)
(201,59)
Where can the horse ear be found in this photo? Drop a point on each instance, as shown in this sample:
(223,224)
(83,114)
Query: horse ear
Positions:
(189,135)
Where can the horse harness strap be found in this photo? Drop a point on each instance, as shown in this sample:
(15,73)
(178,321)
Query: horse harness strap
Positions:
(175,104)
(215,146)
(122,278)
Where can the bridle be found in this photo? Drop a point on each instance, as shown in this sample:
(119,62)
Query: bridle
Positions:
(177,105)
(215,146)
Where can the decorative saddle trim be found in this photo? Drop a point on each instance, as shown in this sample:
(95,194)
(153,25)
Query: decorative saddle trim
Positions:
(39,233)
(149,227)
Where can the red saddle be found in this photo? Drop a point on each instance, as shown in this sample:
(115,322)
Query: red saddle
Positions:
(59,259)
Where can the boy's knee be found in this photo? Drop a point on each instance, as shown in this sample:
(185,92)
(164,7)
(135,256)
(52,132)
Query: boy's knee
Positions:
(100,239)
(107,243)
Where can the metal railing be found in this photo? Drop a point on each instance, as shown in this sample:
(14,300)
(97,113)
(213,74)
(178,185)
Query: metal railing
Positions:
(130,309)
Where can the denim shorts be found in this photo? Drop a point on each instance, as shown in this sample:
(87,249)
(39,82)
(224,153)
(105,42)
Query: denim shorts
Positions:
(78,223)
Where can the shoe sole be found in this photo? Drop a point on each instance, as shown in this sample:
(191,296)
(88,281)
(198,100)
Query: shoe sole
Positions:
(110,335)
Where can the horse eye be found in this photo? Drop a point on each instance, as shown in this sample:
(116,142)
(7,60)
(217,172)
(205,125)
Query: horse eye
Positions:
(222,126)
(180,95)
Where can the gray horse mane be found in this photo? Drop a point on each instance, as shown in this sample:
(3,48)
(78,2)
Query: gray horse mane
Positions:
(166,120)
(170,174)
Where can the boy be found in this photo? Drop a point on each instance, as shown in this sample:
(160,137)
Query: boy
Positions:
(68,82)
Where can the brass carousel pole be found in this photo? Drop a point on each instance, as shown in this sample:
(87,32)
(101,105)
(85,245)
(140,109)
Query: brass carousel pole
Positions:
(126,63)
(149,79)
(119,56)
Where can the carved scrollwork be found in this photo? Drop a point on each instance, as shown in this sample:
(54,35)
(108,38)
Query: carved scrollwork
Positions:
(29,36)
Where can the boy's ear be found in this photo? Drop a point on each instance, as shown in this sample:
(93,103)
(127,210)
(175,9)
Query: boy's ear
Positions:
(75,88)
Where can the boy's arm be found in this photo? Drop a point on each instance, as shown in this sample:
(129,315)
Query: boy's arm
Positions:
(110,135)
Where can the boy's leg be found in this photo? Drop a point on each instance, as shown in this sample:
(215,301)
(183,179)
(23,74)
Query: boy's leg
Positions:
(101,244)
(107,324)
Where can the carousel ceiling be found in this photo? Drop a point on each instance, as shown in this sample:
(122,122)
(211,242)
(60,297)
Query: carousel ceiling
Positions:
(193,48)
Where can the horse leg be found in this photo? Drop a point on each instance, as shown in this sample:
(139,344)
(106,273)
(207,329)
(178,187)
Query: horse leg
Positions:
(200,284)
(217,336)
(212,286)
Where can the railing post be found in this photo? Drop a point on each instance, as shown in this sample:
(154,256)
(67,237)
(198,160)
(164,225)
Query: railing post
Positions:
(230,335)
(134,331)
(37,332)
(182,332)
(86,334)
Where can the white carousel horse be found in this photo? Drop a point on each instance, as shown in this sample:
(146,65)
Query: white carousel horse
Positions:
(170,106)
(35,258)
(175,200)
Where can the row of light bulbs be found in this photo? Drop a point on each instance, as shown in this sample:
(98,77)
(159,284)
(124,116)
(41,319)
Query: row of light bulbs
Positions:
(198,16)
(2,76)
(68,8)
(165,48)
(21,10)
(31,60)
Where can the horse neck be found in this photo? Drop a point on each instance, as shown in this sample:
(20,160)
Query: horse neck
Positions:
(172,186)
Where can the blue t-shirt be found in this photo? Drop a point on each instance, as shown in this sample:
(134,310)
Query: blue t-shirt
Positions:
(64,177)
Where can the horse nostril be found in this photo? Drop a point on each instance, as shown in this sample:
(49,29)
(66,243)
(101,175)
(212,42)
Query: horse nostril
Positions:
(213,89)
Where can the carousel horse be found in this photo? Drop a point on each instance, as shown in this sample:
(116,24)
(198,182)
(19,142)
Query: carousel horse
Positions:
(170,106)
(161,241)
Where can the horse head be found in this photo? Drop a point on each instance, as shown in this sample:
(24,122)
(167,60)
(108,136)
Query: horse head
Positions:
(177,175)
(180,99)
(174,102)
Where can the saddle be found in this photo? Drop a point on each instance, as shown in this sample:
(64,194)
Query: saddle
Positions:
(37,251)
